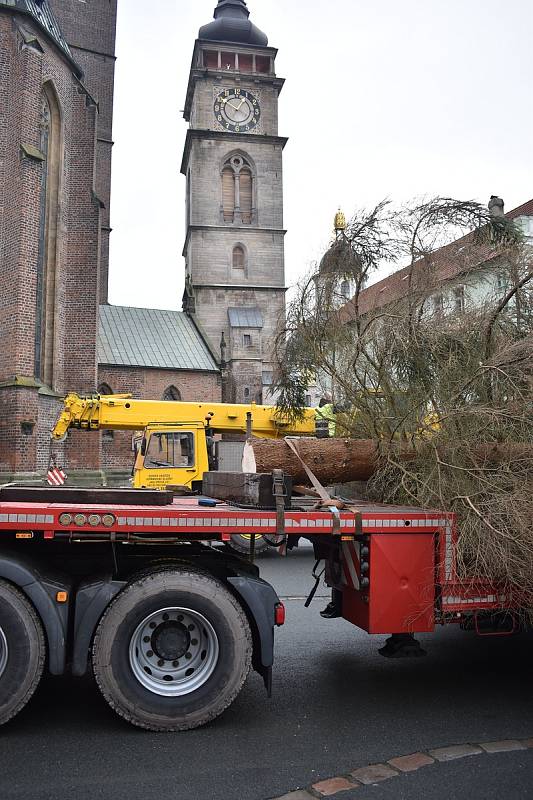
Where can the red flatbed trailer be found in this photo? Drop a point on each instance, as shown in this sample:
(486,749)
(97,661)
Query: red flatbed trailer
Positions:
(172,626)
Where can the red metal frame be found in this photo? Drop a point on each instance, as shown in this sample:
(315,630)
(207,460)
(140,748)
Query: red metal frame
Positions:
(443,592)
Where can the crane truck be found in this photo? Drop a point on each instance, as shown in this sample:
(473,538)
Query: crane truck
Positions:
(121,582)
(178,445)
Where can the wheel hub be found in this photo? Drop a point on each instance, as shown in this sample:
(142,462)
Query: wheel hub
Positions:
(3,652)
(173,651)
(171,640)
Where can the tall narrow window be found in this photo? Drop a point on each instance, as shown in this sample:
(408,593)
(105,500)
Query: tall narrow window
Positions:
(239,261)
(459,298)
(50,141)
(237,191)
(246,196)
(438,304)
(228,194)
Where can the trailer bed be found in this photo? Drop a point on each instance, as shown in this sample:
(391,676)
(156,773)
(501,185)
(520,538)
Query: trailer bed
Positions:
(184,516)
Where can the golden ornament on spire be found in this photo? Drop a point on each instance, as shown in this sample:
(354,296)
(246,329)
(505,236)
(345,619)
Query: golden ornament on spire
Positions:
(340,221)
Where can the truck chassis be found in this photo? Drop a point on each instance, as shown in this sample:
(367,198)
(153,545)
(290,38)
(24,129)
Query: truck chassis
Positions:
(170,626)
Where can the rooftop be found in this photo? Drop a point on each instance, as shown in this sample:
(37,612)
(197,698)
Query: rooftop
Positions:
(148,337)
(449,262)
(232,24)
(41,12)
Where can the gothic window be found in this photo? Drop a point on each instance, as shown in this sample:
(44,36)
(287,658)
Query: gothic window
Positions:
(237,191)
(238,258)
(51,148)
(172,394)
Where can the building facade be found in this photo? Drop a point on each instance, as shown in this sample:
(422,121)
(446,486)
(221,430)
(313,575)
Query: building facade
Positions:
(50,230)
(90,30)
(233,165)
(465,274)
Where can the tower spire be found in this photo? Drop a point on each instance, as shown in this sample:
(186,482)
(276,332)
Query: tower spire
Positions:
(231,8)
(232,24)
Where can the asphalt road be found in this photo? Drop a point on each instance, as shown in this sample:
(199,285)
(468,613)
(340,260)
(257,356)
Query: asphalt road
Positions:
(337,706)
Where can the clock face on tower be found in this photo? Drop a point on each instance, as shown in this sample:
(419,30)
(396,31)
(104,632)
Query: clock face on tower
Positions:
(237,110)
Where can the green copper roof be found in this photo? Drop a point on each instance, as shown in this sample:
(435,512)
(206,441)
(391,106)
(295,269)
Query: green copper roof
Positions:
(148,337)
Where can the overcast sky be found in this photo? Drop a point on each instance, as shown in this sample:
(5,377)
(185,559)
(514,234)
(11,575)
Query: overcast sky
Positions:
(384,98)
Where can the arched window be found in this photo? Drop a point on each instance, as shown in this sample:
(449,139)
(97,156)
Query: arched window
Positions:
(172,394)
(105,389)
(237,191)
(51,148)
(238,258)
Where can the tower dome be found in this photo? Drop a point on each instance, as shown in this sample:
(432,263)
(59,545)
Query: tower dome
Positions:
(232,24)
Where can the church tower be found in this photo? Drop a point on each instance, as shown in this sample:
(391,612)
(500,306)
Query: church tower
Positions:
(232,161)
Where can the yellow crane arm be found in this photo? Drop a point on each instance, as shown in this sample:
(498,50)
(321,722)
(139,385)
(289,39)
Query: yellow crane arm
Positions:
(122,412)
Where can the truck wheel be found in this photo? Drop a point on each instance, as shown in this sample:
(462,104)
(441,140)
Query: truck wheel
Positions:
(241,543)
(22,651)
(172,651)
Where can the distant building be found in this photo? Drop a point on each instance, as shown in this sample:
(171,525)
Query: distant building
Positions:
(462,274)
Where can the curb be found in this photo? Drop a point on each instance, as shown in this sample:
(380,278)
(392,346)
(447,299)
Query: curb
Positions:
(394,767)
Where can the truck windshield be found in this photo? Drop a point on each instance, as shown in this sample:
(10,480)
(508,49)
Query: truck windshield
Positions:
(170,449)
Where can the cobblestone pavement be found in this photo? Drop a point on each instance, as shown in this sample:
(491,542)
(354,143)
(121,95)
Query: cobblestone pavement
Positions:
(345,786)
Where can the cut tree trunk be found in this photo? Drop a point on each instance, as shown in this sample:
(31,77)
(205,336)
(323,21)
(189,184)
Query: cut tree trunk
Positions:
(331,460)
(345,460)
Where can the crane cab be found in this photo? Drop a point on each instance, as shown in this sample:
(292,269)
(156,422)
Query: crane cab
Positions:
(172,455)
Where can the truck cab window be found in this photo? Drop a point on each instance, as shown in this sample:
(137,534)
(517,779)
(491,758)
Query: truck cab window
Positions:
(170,449)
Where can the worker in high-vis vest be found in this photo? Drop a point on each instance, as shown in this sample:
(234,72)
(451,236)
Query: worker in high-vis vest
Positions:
(326,413)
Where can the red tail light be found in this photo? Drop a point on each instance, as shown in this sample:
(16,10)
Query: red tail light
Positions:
(279,615)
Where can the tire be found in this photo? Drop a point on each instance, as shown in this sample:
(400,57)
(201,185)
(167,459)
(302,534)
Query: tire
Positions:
(242,544)
(22,651)
(172,651)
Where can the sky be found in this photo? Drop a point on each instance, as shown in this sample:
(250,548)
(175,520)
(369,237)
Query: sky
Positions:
(384,99)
